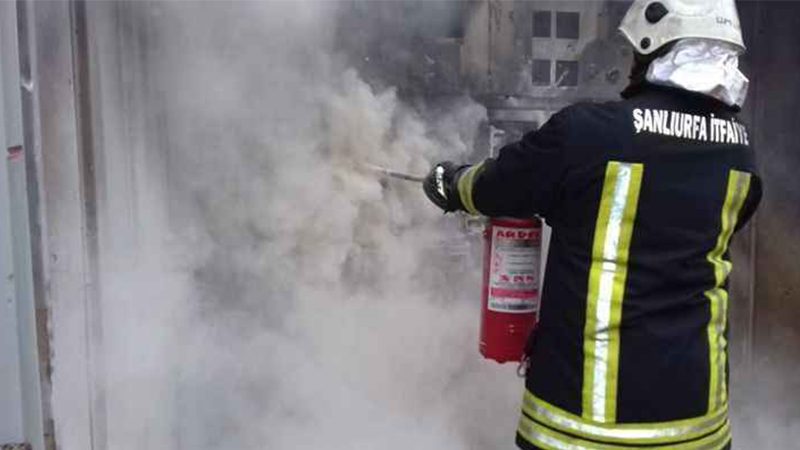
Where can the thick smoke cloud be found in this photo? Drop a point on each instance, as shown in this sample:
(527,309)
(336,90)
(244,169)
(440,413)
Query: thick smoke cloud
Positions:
(295,300)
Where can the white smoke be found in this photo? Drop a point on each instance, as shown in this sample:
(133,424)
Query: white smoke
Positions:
(291,299)
(763,396)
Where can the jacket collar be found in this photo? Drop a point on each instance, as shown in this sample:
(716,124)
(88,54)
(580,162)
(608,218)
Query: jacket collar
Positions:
(642,87)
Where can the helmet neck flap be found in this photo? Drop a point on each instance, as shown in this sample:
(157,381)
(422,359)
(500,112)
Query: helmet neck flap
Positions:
(703,66)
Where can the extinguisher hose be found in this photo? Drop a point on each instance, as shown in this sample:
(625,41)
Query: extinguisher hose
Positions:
(525,363)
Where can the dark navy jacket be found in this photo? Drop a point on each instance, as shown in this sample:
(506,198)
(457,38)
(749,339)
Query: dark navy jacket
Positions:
(643,196)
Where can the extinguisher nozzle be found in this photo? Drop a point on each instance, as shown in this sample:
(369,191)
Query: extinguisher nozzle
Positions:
(391,173)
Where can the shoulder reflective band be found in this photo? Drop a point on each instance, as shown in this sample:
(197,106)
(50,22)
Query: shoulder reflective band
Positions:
(609,269)
(626,433)
(738,188)
(548,439)
(466,183)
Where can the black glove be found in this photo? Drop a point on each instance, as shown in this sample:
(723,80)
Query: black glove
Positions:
(441,186)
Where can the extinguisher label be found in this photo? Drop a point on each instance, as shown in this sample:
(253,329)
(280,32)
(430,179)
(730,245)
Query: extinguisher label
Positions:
(514,276)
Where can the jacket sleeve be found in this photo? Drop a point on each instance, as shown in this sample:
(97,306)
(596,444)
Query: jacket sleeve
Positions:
(525,177)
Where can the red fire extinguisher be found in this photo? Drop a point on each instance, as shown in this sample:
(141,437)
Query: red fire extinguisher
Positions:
(511,262)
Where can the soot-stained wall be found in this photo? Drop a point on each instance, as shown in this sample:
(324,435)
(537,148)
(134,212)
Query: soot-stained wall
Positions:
(772,31)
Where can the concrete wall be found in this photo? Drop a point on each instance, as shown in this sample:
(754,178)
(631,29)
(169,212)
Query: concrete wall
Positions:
(770,307)
(21,407)
(10,385)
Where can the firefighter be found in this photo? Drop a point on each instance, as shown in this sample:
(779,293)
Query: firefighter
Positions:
(643,196)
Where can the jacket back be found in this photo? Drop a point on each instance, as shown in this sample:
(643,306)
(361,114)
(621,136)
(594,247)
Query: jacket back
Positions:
(643,196)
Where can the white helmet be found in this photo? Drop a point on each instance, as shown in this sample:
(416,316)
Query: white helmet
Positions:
(650,24)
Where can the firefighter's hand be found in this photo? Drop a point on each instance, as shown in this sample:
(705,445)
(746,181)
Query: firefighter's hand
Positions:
(441,186)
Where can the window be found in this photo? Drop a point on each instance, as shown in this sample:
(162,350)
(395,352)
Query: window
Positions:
(541,72)
(567,73)
(568,25)
(542,24)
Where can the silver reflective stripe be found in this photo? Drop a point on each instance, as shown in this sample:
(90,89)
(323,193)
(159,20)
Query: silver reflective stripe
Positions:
(609,271)
(550,439)
(698,427)
(721,345)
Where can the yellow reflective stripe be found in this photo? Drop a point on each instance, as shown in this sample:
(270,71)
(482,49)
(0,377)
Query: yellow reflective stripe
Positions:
(717,344)
(738,188)
(628,433)
(548,439)
(465,187)
(607,276)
